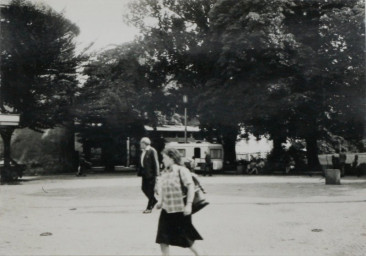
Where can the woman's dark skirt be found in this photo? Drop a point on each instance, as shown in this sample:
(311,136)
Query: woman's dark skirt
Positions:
(176,229)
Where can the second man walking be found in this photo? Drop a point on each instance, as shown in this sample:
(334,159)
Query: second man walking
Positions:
(149,171)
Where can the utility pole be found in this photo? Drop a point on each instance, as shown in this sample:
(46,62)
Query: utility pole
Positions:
(185,101)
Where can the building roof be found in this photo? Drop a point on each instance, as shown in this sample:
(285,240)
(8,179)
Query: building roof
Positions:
(192,143)
(173,128)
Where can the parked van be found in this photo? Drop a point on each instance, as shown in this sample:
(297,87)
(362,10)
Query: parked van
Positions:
(194,152)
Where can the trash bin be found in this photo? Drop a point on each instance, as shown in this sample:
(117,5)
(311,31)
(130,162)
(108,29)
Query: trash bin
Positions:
(333,177)
(240,169)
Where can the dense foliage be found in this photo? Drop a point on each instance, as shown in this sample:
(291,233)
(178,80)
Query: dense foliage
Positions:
(112,103)
(38,67)
(285,68)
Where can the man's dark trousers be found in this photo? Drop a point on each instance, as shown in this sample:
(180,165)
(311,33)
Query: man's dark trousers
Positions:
(148,185)
(208,165)
(208,169)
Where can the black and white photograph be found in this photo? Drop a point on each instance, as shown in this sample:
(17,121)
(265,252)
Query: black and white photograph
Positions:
(182,127)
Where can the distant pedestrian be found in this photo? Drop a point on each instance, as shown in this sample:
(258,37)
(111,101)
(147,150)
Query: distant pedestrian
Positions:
(84,165)
(355,168)
(355,162)
(175,223)
(208,164)
(290,165)
(342,161)
(149,170)
(252,167)
(335,162)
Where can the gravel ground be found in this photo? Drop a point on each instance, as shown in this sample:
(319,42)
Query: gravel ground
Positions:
(248,215)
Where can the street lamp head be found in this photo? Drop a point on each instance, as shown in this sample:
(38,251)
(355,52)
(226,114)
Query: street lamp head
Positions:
(185,99)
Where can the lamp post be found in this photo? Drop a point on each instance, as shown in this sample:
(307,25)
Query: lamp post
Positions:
(185,101)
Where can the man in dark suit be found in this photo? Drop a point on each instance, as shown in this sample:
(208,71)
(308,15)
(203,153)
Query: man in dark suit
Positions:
(149,171)
(342,161)
(208,164)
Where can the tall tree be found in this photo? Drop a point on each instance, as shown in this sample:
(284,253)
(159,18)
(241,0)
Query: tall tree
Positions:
(38,67)
(112,103)
(177,47)
(342,36)
(253,69)
(267,65)
(330,69)
(276,70)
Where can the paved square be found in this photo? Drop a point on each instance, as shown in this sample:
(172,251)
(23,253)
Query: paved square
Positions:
(248,215)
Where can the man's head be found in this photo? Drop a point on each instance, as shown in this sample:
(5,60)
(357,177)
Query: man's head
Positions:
(144,142)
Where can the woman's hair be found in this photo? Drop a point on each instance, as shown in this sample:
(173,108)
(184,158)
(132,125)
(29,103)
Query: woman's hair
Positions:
(173,154)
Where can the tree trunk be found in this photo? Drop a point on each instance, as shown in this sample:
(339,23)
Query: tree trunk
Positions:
(6,134)
(229,150)
(276,157)
(69,148)
(108,160)
(87,150)
(229,137)
(312,153)
(278,151)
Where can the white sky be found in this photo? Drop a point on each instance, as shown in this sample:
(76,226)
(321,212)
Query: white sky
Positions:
(100,21)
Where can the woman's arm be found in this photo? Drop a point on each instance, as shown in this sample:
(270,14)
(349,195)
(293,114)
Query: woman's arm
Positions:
(190,196)
(159,204)
(188,182)
(158,192)
(190,193)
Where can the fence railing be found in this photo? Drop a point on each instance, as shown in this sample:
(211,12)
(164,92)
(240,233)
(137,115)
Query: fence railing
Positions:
(249,156)
(326,159)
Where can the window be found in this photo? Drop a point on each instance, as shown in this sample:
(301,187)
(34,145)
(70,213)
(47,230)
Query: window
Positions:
(182,152)
(216,153)
(197,153)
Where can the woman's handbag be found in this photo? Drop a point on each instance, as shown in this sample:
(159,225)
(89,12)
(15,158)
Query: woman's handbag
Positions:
(199,200)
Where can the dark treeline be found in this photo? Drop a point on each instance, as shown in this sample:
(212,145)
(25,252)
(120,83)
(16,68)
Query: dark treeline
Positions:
(283,68)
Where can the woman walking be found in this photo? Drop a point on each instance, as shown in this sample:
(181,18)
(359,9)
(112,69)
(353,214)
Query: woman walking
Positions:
(175,222)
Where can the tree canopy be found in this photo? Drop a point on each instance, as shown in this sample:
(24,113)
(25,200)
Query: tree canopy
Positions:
(175,36)
(280,68)
(290,69)
(38,66)
(112,103)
